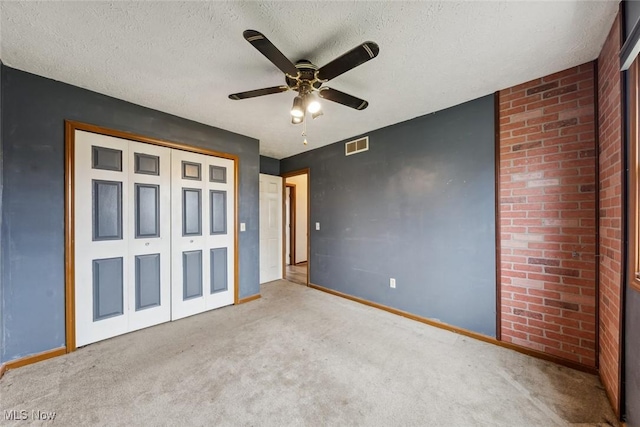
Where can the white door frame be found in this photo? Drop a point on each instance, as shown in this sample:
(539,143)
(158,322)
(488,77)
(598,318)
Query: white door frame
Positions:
(69,197)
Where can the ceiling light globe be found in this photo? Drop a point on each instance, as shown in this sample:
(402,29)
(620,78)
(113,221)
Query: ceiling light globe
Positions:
(313,107)
(297,110)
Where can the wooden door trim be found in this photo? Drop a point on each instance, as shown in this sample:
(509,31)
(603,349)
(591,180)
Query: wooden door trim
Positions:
(305,171)
(69,203)
(292,220)
(69,237)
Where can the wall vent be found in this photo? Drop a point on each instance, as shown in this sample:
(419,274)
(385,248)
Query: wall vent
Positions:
(357,146)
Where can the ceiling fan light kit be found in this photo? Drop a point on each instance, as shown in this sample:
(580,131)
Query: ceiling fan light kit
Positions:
(317,114)
(298,107)
(307,79)
(313,105)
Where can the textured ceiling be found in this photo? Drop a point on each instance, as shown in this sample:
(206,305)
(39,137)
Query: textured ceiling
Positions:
(184,58)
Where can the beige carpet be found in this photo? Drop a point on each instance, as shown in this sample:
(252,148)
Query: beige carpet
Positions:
(302,357)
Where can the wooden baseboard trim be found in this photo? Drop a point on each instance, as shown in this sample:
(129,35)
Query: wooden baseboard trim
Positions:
(34,358)
(548,357)
(249,299)
(3,369)
(465,332)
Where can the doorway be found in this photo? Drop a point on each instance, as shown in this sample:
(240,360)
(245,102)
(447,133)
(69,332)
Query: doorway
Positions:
(296,226)
(290,223)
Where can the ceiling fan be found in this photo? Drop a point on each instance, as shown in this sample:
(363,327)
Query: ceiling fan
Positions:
(307,79)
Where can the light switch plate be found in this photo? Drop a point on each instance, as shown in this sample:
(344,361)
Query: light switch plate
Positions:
(243,226)
(317,226)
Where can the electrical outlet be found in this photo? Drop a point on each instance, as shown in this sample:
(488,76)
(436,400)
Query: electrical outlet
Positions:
(392,283)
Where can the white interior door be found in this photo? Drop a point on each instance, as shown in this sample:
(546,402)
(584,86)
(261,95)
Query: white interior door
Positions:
(270,228)
(149,211)
(121,235)
(202,193)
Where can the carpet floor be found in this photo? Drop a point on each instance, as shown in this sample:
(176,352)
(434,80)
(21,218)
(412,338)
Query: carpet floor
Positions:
(298,356)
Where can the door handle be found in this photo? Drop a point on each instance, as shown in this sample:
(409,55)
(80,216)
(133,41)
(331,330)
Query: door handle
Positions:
(146,244)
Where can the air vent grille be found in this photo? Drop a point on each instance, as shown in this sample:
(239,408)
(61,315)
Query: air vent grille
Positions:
(357,146)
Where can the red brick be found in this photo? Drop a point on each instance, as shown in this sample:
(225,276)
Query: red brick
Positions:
(553,262)
(547,180)
(560,124)
(520,312)
(561,304)
(560,91)
(526,146)
(542,88)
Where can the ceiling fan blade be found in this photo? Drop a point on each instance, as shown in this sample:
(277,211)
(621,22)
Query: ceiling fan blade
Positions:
(356,56)
(258,92)
(343,98)
(260,42)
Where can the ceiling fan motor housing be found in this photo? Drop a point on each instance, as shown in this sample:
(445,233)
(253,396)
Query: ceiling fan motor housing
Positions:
(306,75)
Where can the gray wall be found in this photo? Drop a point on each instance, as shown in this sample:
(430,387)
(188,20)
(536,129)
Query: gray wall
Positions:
(269,165)
(419,206)
(631,365)
(32,212)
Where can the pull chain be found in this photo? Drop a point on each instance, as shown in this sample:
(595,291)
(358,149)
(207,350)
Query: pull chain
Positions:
(304,131)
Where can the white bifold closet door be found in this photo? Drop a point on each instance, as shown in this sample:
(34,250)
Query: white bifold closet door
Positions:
(122,236)
(202,201)
(154,235)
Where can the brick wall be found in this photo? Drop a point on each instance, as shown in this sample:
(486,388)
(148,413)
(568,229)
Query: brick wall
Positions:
(611,170)
(548,214)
